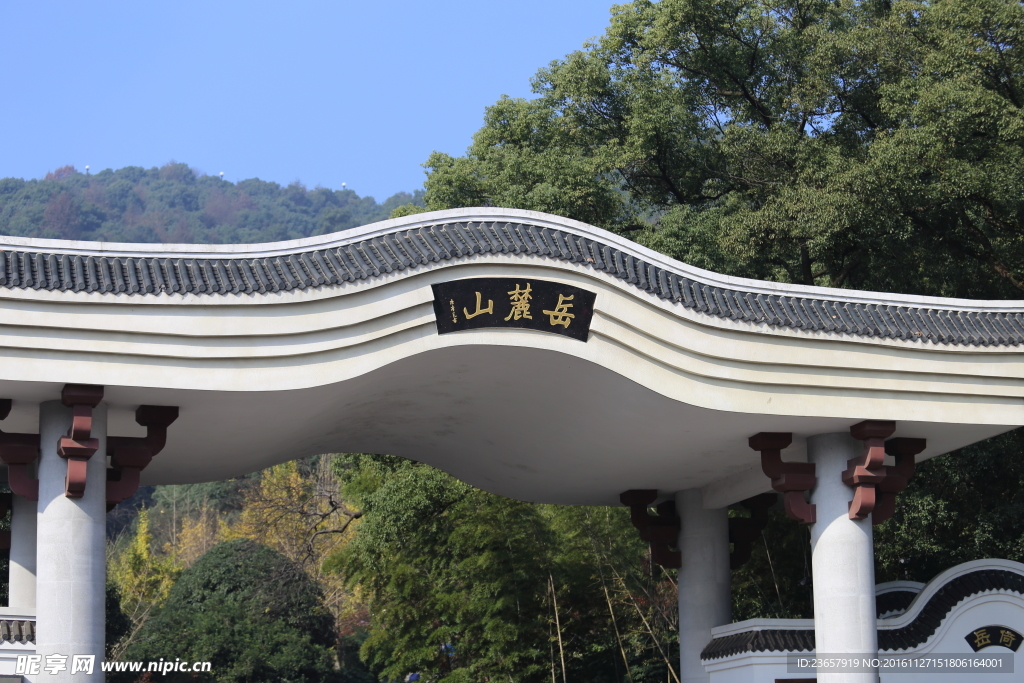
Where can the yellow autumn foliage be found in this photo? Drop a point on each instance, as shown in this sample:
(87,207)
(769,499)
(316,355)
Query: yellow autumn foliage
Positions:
(299,512)
(143,578)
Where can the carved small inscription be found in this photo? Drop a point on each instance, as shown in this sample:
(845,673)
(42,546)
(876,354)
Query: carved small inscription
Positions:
(524,303)
(993,636)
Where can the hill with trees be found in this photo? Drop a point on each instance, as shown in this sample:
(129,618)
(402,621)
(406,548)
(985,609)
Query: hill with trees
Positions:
(176,204)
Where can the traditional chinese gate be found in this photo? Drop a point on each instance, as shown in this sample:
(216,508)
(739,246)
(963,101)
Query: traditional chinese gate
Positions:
(643,381)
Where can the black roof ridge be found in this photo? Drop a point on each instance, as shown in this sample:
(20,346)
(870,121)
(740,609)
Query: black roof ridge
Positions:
(412,246)
(923,626)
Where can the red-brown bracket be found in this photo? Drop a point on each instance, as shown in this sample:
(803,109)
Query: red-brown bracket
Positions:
(79,444)
(866,472)
(743,531)
(896,478)
(661,531)
(19,451)
(791,479)
(131,454)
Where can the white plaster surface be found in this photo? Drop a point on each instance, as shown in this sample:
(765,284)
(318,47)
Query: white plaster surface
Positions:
(705,599)
(842,560)
(22,573)
(9,653)
(71,572)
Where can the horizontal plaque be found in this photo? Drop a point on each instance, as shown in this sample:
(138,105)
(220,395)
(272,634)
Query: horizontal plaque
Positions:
(522,303)
(993,636)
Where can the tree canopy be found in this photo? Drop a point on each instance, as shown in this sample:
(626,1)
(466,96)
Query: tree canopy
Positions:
(464,585)
(846,143)
(175,203)
(248,610)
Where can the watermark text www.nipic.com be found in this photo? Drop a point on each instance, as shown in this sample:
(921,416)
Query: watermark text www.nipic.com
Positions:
(36,665)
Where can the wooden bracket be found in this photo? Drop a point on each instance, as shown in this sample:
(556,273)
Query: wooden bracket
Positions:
(791,479)
(131,454)
(19,451)
(743,531)
(896,478)
(866,472)
(661,530)
(79,444)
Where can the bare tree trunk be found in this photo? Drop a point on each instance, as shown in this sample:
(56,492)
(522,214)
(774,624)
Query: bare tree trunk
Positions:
(618,638)
(647,626)
(558,623)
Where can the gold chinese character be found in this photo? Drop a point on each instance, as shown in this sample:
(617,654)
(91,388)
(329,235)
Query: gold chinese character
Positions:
(489,309)
(455,318)
(520,300)
(561,315)
(1007,637)
(982,638)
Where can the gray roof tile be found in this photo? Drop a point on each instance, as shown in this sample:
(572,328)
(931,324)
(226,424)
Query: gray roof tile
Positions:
(408,248)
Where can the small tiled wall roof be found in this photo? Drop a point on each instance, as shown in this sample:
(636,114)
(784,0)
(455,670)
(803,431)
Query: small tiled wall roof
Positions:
(410,248)
(894,601)
(17,631)
(916,633)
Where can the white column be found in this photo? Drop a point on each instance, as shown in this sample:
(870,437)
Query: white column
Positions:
(22,572)
(71,570)
(705,597)
(842,561)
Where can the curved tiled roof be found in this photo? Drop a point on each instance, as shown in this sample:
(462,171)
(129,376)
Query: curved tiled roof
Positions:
(407,248)
(916,633)
(894,602)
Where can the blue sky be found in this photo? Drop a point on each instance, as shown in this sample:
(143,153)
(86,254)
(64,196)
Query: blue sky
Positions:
(322,92)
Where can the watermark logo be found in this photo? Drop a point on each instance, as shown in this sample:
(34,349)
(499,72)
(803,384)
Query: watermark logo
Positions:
(34,665)
(82,664)
(891,664)
(28,665)
(55,664)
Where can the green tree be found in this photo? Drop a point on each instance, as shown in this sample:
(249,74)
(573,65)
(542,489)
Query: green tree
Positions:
(620,619)
(776,582)
(249,611)
(117,624)
(859,143)
(457,577)
(140,579)
(961,507)
(465,585)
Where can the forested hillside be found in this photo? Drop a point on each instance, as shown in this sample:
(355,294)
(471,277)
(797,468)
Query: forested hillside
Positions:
(175,203)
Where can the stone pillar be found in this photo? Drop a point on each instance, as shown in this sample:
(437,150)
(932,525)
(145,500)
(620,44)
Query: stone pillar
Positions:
(71,569)
(23,556)
(705,598)
(842,561)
